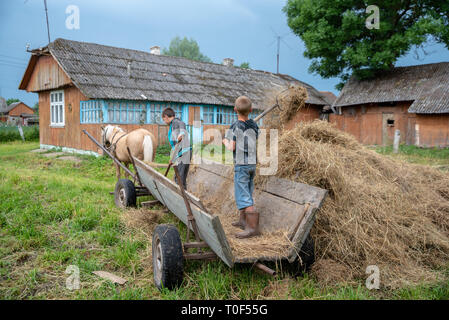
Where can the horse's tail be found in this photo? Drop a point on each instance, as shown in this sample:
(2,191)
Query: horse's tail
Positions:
(147,148)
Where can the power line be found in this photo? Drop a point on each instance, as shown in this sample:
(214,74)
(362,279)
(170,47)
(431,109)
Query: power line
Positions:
(13,63)
(11,57)
(8,65)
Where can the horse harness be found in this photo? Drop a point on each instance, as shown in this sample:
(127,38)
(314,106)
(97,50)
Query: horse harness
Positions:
(113,146)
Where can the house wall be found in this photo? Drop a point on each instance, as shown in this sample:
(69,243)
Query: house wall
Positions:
(71,135)
(47,75)
(367,123)
(306,114)
(19,109)
(433,130)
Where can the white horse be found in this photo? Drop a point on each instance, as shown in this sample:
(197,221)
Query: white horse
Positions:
(141,143)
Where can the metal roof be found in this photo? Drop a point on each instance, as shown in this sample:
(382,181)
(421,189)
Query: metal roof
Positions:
(101,72)
(426,85)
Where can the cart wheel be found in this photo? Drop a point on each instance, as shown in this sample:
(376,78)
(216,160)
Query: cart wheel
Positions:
(125,194)
(168,258)
(307,253)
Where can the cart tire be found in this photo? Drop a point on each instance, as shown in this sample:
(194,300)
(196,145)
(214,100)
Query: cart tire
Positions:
(168,257)
(307,253)
(125,194)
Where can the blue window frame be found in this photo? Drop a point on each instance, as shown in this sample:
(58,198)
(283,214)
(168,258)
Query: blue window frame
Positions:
(126,112)
(223,115)
(156,109)
(208,115)
(91,111)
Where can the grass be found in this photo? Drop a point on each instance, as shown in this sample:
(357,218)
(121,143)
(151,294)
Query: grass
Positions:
(413,154)
(54,214)
(11,133)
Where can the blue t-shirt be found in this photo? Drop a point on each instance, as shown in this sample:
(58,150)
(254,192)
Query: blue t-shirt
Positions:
(178,128)
(245,134)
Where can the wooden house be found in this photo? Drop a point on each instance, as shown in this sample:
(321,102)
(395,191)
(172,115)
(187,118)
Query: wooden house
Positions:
(413,99)
(86,85)
(15,113)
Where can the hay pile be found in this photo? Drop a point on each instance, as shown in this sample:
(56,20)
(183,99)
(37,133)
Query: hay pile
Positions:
(379,211)
(268,244)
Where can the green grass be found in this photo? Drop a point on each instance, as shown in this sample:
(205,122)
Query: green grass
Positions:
(413,154)
(11,133)
(54,214)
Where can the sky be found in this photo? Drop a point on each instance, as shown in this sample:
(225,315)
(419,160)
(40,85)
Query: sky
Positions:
(244,30)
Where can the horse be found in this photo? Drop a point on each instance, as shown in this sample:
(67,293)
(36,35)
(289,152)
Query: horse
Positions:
(141,143)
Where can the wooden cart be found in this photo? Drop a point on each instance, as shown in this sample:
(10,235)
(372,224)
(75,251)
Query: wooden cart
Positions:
(283,204)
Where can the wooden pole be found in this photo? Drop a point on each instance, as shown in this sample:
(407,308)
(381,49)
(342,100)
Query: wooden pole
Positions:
(110,155)
(190,217)
(397,138)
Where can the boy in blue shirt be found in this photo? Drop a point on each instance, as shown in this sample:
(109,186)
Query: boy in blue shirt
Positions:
(178,134)
(241,139)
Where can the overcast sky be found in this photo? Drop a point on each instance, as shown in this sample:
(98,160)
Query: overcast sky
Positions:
(240,29)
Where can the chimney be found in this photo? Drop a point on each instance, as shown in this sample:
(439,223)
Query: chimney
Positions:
(228,62)
(128,69)
(155,50)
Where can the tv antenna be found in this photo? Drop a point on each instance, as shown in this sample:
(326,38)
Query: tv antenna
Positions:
(279,38)
(46,14)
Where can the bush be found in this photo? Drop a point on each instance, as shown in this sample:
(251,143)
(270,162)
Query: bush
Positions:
(11,133)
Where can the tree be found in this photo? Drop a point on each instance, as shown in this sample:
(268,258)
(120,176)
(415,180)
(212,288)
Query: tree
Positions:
(185,48)
(36,108)
(12,100)
(245,65)
(339,42)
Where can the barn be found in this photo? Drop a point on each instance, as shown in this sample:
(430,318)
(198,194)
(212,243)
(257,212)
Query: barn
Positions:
(413,99)
(15,113)
(86,85)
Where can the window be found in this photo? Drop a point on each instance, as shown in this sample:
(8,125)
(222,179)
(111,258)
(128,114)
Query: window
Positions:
(126,112)
(225,115)
(57,116)
(157,108)
(390,122)
(208,115)
(90,111)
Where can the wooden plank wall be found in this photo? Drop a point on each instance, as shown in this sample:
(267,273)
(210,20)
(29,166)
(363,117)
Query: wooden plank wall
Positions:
(364,122)
(19,109)
(46,75)
(71,134)
(433,130)
(306,114)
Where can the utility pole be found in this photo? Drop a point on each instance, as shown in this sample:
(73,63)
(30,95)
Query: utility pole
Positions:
(278,38)
(46,14)
(279,46)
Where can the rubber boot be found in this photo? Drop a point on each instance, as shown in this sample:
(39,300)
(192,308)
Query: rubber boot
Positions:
(252,226)
(242,220)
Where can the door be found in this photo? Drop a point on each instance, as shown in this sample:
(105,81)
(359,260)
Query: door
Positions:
(388,126)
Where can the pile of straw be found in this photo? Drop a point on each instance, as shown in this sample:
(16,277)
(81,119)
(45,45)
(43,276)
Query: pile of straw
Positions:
(379,211)
(274,244)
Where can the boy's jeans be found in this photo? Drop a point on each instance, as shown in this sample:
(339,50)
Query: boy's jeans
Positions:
(244,185)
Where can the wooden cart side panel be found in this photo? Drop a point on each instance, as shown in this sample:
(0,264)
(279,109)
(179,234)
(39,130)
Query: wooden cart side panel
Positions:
(295,191)
(210,228)
(302,233)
